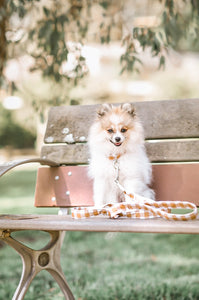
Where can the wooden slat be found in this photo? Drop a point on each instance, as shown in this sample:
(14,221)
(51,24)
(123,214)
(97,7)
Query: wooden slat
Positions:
(63,187)
(171,182)
(176,182)
(173,150)
(161,119)
(66,154)
(159,151)
(97,224)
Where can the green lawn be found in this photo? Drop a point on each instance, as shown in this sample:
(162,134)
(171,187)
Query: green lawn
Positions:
(101,265)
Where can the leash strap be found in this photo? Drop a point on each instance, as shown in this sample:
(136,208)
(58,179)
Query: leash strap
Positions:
(135,210)
(139,207)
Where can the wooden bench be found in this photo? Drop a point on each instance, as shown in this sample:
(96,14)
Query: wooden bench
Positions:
(172,143)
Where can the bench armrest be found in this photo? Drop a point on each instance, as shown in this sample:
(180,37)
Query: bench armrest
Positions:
(5,167)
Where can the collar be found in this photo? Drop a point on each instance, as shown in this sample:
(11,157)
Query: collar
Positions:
(114,157)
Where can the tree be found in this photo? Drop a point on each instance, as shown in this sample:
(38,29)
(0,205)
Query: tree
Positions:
(2,36)
(55,23)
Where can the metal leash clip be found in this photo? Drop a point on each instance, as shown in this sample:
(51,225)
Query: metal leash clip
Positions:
(117,168)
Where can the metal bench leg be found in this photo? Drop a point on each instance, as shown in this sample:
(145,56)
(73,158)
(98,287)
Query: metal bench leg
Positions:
(54,267)
(34,261)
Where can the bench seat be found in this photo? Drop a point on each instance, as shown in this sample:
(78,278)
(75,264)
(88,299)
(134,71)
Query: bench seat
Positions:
(97,224)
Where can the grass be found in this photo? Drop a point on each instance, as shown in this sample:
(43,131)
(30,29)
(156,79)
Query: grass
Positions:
(100,266)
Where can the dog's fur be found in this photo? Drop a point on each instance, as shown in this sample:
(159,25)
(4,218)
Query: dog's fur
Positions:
(117,131)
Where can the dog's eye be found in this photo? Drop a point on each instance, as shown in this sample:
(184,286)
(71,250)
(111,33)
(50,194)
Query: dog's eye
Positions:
(110,130)
(123,129)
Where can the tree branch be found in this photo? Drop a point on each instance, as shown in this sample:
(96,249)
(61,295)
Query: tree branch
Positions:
(2,36)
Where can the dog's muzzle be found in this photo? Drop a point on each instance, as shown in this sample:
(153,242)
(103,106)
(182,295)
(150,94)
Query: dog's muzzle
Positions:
(117,142)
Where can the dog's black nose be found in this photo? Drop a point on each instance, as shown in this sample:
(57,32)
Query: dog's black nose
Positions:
(117,139)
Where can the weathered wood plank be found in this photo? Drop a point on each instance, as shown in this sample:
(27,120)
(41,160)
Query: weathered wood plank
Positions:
(96,224)
(161,119)
(158,151)
(173,150)
(66,154)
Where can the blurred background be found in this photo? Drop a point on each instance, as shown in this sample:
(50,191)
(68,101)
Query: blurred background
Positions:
(84,52)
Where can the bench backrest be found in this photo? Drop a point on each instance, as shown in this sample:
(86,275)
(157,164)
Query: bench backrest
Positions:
(172,144)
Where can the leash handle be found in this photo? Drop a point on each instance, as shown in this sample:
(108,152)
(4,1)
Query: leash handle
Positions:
(136,210)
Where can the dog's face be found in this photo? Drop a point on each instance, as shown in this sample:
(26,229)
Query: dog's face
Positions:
(117,123)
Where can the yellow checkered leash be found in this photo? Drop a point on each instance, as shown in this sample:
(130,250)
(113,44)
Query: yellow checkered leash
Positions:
(139,207)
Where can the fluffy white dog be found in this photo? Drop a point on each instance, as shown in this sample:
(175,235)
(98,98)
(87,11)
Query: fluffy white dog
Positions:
(117,136)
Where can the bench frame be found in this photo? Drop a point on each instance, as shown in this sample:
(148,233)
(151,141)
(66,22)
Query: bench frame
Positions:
(34,261)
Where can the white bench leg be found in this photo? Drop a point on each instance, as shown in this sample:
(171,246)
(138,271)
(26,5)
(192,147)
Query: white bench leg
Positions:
(34,261)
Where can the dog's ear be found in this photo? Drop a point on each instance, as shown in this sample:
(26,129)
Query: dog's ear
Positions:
(129,108)
(103,109)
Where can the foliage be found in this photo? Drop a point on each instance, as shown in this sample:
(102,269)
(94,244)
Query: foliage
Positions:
(59,22)
(12,134)
(54,33)
(48,33)
(178,20)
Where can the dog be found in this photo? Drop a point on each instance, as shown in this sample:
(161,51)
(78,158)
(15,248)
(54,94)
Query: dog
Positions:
(117,136)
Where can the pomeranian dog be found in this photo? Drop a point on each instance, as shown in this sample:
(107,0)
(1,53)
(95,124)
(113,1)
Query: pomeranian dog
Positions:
(118,134)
